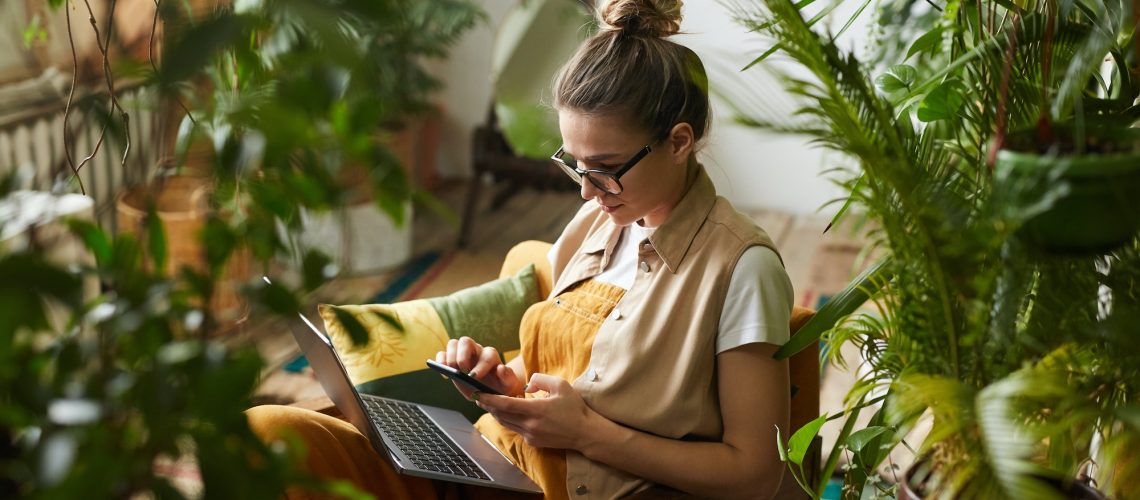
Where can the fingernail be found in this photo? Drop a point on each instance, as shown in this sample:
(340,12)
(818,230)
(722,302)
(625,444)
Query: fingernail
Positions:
(471,374)
(475,397)
(525,386)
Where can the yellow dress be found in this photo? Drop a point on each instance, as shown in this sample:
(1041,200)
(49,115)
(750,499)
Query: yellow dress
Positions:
(556,338)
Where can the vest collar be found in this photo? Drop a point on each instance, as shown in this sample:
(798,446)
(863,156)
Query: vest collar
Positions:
(673,239)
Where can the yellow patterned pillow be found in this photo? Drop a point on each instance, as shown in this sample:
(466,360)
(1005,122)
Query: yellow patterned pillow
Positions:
(402,335)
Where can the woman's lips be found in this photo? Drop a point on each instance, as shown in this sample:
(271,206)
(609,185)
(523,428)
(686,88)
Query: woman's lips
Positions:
(610,210)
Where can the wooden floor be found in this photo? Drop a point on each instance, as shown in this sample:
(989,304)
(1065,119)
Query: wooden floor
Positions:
(817,264)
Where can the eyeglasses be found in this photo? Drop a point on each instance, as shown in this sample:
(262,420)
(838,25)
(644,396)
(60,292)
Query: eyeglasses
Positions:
(602,179)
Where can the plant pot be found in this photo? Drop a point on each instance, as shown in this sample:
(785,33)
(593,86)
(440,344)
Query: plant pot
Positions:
(181,204)
(914,481)
(1101,209)
(360,238)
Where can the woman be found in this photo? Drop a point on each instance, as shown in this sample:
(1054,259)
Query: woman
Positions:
(649,368)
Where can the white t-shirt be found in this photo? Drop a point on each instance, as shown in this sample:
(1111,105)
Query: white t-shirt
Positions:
(759,301)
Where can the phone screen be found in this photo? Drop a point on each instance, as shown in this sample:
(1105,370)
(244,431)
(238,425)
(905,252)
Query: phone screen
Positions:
(462,378)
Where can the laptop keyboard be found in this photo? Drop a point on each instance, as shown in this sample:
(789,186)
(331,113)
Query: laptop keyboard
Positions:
(420,439)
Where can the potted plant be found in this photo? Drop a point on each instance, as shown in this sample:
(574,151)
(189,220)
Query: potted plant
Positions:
(1020,355)
(358,166)
(135,374)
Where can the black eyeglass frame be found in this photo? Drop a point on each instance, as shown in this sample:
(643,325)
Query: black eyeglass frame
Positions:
(577,174)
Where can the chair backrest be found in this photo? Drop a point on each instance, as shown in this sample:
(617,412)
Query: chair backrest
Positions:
(803,370)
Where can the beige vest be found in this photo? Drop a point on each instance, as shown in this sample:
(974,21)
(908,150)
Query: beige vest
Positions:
(653,363)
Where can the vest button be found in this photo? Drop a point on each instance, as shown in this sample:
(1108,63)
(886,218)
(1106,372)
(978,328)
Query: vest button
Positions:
(615,314)
(592,375)
(644,266)
(581,489)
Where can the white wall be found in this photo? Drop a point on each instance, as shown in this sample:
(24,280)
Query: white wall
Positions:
(751,168)
(466,97)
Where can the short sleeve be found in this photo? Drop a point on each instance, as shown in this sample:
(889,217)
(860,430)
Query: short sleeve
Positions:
(759,302)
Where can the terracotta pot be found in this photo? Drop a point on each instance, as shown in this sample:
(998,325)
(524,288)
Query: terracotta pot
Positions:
(181,204)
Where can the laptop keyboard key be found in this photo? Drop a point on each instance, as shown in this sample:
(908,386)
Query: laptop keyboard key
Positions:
(420,439)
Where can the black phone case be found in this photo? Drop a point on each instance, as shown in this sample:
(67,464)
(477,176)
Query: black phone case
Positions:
(462,378)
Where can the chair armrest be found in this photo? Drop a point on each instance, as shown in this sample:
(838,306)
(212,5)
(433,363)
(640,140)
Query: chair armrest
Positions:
(530,252)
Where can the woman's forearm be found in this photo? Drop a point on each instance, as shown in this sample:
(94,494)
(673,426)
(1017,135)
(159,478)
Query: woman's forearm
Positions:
(707,469)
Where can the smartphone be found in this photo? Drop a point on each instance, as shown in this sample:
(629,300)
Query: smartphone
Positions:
(462,378)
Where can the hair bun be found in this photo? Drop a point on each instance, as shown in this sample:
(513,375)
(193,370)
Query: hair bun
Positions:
(649,18)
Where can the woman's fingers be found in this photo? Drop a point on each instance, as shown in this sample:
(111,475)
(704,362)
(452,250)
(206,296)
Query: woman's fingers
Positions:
(450,352)
(467,353)
(488,360)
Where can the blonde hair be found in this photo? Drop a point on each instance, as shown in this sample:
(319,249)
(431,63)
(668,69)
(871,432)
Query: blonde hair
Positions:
(629,69)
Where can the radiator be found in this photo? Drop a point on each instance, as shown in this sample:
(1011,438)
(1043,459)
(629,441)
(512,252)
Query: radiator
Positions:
(31,143)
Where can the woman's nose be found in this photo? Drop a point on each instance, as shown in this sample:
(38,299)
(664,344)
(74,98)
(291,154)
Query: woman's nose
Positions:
(589,190)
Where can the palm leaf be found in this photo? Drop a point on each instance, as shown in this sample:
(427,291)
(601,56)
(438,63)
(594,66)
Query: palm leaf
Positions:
(854,295)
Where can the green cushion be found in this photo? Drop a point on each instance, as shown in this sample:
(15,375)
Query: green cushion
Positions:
(402,335)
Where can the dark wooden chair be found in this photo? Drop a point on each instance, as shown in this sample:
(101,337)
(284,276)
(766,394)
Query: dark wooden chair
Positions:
(492,156)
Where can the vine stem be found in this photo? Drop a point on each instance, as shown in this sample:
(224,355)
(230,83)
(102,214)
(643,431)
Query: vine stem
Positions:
(104,49)
(67,140)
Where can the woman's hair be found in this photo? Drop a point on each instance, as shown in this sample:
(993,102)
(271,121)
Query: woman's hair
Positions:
(629,69)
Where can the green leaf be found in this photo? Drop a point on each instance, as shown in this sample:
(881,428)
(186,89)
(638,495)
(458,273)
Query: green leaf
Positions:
(801,440)
(942,103)
(279,299)
(926,42)
(156,240)
(356,331)
(897,77)
(25,280)
(34,32)
(94,238)
(762,57)
(858,439)
(191,53)
(846,204)
(314,268)
(391,320)
(854,295)
(220,242)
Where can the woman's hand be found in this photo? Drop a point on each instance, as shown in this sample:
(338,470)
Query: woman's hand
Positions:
(559,420)
(482,363)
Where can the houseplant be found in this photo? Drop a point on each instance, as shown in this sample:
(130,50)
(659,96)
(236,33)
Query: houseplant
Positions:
(1021,355)
(134,374)
(378,51)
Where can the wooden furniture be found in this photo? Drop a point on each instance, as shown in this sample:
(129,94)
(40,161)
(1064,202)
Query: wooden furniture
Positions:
(492,156)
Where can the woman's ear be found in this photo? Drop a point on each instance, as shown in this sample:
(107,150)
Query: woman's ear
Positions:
(681,142)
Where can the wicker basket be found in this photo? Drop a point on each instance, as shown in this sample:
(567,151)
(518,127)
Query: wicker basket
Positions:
(182,204)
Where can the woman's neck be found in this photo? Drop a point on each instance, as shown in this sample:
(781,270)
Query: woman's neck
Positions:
(659,217)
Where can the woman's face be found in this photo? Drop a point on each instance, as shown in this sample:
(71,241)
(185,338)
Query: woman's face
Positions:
(652,187)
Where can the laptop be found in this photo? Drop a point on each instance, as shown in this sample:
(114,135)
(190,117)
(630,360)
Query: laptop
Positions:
(418,440)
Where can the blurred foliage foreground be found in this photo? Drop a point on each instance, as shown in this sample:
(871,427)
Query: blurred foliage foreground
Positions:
(100,390)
